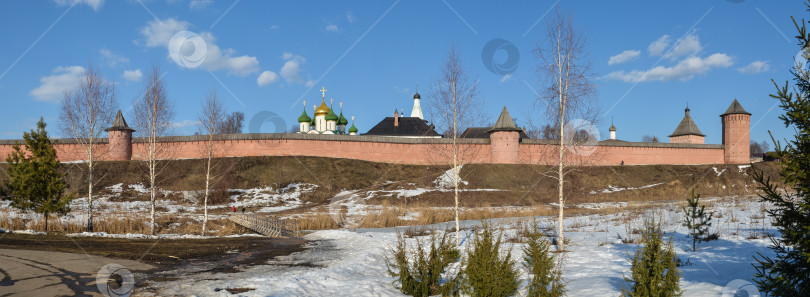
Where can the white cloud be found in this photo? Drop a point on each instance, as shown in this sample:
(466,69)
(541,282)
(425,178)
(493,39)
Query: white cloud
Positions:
(112,59)
(200,4)
(506,77)
(133,75)
(685,70)
(158,33)
(755,67)
(267,78)
(658,47)
(95,4)
(291,71)
(310,83)
(350,17)
(53,87)
(625,56)
(185,124)
(332,27)
(273,27)
(688,45)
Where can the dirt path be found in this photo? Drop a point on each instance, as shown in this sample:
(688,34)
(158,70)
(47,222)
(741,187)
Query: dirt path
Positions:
(57,265)
(44,273)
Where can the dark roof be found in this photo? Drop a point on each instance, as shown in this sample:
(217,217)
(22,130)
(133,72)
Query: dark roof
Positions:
(483,132)
(735,108)
(504,122)
(687,126)
(416,96)
(612,128)
(408,126)
(119,123)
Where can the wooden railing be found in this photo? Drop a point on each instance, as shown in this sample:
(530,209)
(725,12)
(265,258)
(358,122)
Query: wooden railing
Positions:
(265,225)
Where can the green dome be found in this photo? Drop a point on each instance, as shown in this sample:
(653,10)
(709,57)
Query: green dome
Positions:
(342,120)
(331,116)
(304,118)
(312,124)
(352,129)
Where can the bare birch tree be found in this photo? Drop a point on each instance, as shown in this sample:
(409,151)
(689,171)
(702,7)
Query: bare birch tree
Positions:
(84,114)
(153,114)
(454,106)
(211,119)
(568,92)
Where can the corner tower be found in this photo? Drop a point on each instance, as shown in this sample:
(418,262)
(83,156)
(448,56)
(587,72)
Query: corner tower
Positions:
(120,139)
(736,134)
(504,140)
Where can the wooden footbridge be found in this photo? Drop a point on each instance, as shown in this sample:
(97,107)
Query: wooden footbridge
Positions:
(265,225)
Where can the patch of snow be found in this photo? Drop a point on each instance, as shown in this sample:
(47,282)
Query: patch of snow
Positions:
(719,172)
(272,200)
(116,188)
(446,180)
(138,188)
(614,189)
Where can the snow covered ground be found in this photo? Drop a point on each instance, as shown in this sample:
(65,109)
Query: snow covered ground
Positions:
(351,263)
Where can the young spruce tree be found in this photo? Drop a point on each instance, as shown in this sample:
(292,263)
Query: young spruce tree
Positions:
(545,275)
(35,181)
(788,272)
(486,273)
(420,272)
(654,270)
(697,221)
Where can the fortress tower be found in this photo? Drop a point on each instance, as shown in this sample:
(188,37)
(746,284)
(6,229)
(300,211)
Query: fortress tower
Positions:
(687,131)
(736,134)
(505,140)
(120,139)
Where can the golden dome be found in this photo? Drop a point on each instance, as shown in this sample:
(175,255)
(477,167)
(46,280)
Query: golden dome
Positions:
(322,110)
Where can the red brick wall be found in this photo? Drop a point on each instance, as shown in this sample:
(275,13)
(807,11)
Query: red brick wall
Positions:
(421,153)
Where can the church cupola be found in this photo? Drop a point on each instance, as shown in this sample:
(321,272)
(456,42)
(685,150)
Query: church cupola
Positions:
(304,120)
(342,121)
(352,129)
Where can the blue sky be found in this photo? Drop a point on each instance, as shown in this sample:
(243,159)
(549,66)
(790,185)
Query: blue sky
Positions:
(650,57)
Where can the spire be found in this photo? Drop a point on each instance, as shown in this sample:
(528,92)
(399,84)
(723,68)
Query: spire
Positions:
(119,123)
(416,112)
(504,123)
(612,127)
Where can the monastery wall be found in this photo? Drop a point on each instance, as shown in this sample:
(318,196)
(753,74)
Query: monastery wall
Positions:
(403,150)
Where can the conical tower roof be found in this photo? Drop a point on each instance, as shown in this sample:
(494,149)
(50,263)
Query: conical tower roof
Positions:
(119,123)
(687,126)
(735,108)
(504,122)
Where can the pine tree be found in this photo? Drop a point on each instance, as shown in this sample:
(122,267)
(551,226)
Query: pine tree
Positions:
(35,181)
(788,273)
(545,276)
(486,273)
(697,221)
(654,270)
